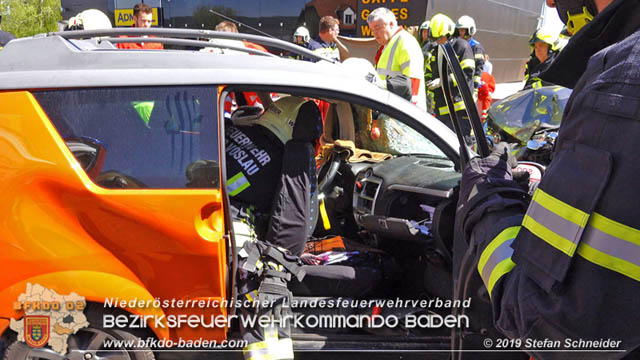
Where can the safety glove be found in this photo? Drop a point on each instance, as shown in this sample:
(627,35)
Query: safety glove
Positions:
(487,184)
(433,84)
(493,169)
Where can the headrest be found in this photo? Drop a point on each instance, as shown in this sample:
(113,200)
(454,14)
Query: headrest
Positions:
(308,126)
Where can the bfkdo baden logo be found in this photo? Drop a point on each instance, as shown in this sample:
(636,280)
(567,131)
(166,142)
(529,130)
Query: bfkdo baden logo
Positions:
(49,318)
(36,330)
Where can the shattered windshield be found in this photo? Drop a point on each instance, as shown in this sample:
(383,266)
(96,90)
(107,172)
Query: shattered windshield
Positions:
(379,132)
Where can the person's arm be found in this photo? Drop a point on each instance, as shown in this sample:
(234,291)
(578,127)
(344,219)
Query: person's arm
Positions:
(411,62)
(400,85)
(467,62)
(265,99)
(478,55)
(491,206)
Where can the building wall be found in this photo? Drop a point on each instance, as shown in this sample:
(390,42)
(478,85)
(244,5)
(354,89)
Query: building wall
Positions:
(504,28)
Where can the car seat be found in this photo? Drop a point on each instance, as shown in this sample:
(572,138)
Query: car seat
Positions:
(293,211)
(294,214)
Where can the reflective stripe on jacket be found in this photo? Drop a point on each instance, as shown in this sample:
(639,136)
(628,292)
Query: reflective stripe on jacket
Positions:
(328,50)
(402,55)
(572,268)
(468,65)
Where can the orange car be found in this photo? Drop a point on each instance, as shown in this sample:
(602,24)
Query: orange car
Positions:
(111,230)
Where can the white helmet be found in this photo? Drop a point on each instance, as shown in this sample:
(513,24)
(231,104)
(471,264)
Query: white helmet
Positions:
(467,22)
(302,31)
(90,19)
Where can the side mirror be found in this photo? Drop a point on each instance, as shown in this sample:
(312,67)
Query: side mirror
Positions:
(89,152)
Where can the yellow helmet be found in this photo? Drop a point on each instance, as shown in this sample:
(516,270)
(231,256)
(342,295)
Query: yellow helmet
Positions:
(545,35)
(442,25)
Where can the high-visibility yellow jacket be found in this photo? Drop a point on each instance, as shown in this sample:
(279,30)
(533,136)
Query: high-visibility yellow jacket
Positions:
(402,56)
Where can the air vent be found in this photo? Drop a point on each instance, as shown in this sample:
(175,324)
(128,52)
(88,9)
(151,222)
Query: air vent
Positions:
(365,193)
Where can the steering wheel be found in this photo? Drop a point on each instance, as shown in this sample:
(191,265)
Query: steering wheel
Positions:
(326,177)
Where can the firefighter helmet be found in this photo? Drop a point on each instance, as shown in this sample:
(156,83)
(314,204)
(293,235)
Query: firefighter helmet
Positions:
(467,22)
(90,19)
(545,35)
(576,13)
(303,32)
(442,25)
(425,26)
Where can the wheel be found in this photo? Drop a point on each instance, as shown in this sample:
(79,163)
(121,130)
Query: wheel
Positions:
(86,344)
(326,176)
(328,172)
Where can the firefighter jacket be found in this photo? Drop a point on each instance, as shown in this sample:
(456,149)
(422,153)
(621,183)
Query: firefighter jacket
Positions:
(429,50)
(253,160)
(569,267)
(402,56)
(254,154)
(467,62)
(534,68)
(478,57)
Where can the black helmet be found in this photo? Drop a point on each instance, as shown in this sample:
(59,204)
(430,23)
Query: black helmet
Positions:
(576,13)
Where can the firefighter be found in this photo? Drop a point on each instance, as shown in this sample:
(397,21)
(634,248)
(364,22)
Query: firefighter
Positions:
(399,60)
(565,264)
(271,180)
(254,157)
(466,28)
(544,44)
(442,30)
(300,37)
(429,48)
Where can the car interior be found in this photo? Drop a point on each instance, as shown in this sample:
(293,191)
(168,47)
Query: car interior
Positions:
(385,183)
(387,201)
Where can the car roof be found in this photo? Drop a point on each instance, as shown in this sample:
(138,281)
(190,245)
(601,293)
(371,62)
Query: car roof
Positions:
(55,62)
(51,61)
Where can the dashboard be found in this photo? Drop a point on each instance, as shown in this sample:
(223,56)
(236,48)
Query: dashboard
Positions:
(408,198)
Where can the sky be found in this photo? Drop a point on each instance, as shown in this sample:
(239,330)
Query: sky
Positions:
(552,19)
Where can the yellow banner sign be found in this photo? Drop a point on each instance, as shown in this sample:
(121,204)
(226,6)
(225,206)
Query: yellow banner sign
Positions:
(407,12)
(124,17)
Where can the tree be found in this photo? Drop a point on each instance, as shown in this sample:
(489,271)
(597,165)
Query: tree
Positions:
(30,17)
